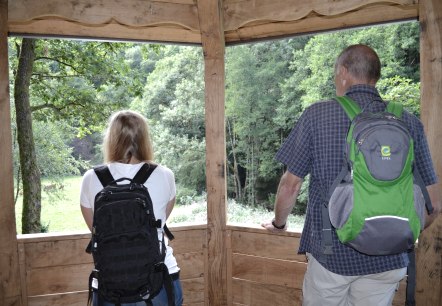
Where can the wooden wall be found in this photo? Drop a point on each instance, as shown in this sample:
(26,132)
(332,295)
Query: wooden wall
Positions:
(262,268)
(265,269)
(54,269)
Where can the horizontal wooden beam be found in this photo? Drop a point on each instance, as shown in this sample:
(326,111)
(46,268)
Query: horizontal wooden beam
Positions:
(238,13)
(314,22)
(134,13)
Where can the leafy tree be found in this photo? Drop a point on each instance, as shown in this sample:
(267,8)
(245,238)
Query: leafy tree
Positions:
(173,102)
(59,80)
(254,74)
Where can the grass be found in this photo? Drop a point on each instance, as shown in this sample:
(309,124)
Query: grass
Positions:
(62,214)
(59,214)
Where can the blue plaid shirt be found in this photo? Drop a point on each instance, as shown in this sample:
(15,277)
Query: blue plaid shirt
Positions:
(315,146)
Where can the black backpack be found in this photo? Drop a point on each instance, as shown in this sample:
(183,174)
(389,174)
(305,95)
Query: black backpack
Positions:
(128,256)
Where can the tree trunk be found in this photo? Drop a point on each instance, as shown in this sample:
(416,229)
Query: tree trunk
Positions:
(28,159)
(236,178)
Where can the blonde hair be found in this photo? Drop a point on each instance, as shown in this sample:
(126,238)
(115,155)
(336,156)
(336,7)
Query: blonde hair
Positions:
(127,136)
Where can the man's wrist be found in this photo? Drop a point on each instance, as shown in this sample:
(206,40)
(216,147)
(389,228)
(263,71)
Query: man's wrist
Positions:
(280,227)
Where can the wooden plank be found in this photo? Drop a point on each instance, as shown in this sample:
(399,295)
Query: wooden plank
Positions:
(10,301)
(193,293)
(240,13)
(266,244)
(314,23)
(111,31)
(400,296)
(194,304)
(57,253)
(10,293)
(269,271)
(193,290)
(22,267)
(60,279)
(258,294)
(71,298)
(188,241)
(191,265)
(100,12)
(229,263)
(212,38)
(429,253)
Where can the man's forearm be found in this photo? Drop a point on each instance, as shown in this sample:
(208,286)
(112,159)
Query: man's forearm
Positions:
(288,191)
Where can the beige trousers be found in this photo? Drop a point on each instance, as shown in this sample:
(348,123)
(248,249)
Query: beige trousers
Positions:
(324,288)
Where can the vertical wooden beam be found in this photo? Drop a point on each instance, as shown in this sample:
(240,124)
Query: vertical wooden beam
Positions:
(212,38)
(9,277)
(429,255)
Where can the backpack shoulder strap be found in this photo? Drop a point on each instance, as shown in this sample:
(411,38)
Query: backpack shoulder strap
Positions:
(350,107)
(144,173)
(104,175)
(395,108)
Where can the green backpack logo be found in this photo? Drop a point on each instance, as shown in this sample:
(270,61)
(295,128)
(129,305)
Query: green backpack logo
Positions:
(377,202)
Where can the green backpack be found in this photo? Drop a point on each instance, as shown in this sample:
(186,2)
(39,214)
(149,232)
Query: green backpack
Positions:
(377,202)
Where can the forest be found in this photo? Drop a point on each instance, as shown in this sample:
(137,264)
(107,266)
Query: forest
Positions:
(63,91)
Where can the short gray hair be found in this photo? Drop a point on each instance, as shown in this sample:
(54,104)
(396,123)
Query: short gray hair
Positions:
(361,61)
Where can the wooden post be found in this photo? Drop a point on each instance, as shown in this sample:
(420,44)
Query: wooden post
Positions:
(9,275)
(212,38)
(429,255)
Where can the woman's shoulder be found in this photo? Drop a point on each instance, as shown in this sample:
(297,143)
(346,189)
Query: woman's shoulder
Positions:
(164,170)
(88,174)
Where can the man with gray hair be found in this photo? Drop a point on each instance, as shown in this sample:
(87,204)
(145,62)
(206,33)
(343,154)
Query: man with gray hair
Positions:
(315,146)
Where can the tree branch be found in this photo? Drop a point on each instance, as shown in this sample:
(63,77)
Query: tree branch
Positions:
(58,61)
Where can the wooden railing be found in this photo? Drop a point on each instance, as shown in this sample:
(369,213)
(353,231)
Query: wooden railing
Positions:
(54,268)
(262,268)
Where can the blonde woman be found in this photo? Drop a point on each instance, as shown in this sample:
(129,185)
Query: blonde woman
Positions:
(126,147)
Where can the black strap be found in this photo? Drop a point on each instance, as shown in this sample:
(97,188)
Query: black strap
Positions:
(419,181)
(168,233)
(326,239)
(144,173)
(168,285)
(411,279)
(104,175)
(89,297)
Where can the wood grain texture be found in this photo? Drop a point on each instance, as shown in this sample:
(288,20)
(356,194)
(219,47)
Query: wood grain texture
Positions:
(429,253)
(269,271)
(10,293)
(313,22)
(99,12)
(266,245)
(259,294)
(240,13)
(212,38)
(108,31)
(70,298)
(193,290)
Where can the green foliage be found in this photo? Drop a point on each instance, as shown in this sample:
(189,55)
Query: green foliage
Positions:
(402,90)
(77,85)
(173,102)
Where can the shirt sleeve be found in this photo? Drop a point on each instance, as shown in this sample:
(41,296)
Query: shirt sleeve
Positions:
(295,152)
(171,182)
(85,200)
(422,156)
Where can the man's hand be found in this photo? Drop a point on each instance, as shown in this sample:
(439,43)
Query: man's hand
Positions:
(269,226)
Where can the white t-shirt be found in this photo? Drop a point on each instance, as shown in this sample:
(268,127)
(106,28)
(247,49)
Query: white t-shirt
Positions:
(161,186)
